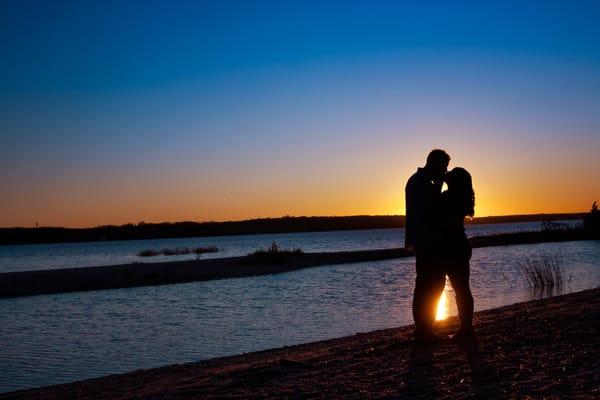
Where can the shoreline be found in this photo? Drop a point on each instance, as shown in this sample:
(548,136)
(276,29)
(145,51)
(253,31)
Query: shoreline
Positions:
(39,282)
(541,348)
(260,226)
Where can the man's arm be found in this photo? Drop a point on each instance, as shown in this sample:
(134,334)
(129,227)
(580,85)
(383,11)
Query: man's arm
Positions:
(414,211)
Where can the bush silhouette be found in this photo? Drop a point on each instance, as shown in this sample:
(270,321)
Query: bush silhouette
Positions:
(591,221)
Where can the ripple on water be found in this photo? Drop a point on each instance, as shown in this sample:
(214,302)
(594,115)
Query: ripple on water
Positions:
(65,337)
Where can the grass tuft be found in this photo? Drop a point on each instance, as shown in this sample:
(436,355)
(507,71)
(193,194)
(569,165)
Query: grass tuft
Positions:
(545,272)
(148,253)
(273,254)
(178,251)
(202,250)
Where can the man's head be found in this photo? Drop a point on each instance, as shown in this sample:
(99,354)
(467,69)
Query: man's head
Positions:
(437,164)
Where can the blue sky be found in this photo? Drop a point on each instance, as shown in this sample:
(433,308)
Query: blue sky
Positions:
(114,46)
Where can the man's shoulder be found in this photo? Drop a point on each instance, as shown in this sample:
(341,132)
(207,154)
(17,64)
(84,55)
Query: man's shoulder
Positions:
(417,178)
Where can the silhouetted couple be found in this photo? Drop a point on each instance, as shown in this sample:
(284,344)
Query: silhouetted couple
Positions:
(435,230)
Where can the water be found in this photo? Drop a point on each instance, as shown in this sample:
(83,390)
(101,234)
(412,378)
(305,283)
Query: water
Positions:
(65,337)
(68,255)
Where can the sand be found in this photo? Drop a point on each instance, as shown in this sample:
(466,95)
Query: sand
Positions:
(540,349)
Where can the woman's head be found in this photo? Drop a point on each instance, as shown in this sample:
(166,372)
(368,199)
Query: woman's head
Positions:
(460,185)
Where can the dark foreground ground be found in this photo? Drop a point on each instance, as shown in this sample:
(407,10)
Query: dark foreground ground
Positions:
(540,349)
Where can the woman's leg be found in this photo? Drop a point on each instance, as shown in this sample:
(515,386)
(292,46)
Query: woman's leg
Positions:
(459,278)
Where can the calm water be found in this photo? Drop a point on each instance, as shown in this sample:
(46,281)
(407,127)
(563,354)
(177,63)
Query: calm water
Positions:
(65,337)
(66,255)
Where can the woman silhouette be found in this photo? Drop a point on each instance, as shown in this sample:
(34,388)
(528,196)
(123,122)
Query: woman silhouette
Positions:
(458,202)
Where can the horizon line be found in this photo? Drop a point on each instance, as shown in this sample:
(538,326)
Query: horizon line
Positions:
(279,217)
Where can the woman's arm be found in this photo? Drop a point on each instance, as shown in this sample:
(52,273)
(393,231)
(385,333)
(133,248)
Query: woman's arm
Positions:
(454,223)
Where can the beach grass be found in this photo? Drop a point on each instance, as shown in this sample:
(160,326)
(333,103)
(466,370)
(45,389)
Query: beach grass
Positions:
(273,254)
(544,272)
(177,251)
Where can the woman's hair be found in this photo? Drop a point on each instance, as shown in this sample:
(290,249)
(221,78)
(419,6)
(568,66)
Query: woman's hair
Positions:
(460,187)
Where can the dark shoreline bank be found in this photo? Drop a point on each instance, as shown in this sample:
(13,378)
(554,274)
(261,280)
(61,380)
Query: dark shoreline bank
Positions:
(29,283)
(539,349)
(143,231)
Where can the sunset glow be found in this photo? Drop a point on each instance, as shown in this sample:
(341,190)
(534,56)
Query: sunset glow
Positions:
(210,111)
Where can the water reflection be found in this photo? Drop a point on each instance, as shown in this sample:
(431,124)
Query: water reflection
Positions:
(542,293)
(65,337)
(67,255)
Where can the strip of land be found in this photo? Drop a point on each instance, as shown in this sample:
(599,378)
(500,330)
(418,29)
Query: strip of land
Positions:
(248,227)
(541,349)
(28,283)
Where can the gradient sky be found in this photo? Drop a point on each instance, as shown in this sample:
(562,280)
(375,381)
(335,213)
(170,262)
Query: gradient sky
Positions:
(117,112)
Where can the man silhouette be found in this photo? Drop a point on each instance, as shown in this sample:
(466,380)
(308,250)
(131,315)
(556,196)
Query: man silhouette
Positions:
(423,197)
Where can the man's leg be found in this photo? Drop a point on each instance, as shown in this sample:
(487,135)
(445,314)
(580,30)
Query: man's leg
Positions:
(429,285)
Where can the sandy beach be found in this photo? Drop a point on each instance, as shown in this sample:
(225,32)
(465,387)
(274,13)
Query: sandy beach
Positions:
(540,349)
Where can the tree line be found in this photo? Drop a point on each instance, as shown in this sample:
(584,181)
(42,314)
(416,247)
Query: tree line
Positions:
(286,224)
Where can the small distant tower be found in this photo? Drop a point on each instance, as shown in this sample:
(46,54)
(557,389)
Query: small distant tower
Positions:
(36,224)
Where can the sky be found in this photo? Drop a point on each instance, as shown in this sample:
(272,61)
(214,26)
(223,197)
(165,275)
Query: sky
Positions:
(121,112)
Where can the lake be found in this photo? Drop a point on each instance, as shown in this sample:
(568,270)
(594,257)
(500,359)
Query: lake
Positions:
(65,337)
(87,254)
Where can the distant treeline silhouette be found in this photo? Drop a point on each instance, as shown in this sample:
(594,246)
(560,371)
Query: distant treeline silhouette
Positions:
(248,227)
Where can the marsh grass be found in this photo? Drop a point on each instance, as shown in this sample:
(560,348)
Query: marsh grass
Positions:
(273,254)
(148,253)
(202,250)
(178,251)
(545,272)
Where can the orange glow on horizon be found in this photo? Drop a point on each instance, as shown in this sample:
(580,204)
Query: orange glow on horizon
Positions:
(372,184)
(93,208)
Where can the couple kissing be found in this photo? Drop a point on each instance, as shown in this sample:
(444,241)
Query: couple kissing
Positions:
(435,232)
